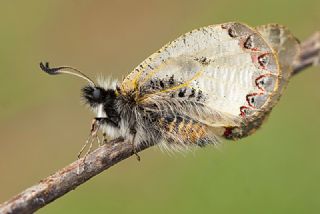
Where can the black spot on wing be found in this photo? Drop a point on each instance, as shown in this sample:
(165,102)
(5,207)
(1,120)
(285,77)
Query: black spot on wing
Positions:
(161,84)
(248,44)
(171,80)
(193,93)
(200,95)
(182,92)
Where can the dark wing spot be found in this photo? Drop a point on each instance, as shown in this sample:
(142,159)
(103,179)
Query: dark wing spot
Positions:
(200,95)
(248,44)
(184,40)
(263,59)
(161,84)
(171,80)
(193,93)
(203,60)
(251,99)
(243,111)
(152,84)
(232,33)
(182,92)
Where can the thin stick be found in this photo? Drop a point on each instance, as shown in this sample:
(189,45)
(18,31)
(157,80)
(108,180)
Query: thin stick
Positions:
(78,172)
(310,53)
(69,178)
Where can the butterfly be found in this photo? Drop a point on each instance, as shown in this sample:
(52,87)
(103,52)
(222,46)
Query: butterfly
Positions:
(219,81)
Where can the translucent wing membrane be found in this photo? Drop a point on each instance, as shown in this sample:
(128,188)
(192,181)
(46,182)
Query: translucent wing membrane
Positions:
(215,68)
(220,80)
(287,49)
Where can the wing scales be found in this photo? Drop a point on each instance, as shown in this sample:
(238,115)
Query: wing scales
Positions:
(231,57)
(287,48)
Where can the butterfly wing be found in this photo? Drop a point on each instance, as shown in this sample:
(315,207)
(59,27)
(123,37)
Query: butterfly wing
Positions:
(287,49)
(229,69)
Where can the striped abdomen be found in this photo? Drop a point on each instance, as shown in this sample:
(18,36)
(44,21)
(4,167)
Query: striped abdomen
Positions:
(184,130)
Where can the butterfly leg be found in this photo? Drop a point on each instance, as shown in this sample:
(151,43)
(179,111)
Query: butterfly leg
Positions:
(89,150)
(92,136)
(133,131)
(84,146)
(104,138)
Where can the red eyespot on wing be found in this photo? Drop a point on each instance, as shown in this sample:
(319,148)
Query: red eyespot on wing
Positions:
(244,111)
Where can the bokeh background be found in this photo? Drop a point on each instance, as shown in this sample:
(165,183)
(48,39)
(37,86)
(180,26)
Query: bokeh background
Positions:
(43,124)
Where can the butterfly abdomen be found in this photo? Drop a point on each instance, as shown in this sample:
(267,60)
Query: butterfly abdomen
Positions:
(184,130)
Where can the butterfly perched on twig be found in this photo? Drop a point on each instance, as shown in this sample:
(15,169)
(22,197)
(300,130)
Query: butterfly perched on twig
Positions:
(219,81)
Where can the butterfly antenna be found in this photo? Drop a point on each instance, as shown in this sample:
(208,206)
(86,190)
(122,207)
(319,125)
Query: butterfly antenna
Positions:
(64,70)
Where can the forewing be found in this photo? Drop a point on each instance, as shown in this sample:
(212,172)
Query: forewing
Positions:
(229,70)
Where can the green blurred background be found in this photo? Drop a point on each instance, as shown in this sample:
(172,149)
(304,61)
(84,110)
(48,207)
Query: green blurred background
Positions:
(43,125)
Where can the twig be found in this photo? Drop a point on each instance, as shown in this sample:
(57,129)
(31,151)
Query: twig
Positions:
(310,53)
(78,172)
(68,178)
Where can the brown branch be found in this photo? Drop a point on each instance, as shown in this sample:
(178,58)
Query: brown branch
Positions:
(68,178)
(310,53)
(78,172)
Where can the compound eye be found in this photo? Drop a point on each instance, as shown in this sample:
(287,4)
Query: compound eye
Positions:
(96,94)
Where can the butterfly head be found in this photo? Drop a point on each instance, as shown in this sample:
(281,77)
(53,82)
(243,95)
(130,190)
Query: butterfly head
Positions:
(100,99)
(95,95)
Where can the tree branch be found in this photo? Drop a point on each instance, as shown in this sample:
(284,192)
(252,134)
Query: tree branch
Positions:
(111,153)
(310,53)
(70,177)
